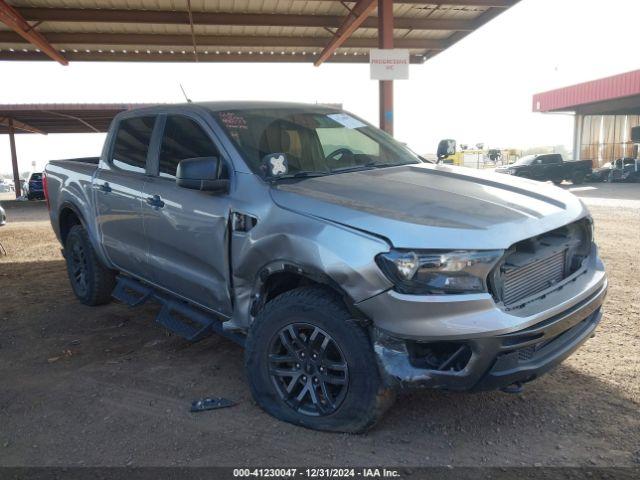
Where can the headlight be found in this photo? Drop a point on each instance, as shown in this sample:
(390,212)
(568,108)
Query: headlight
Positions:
(436,272)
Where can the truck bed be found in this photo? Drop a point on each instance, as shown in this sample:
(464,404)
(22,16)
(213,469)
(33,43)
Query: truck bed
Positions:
(70,181)
(89,160)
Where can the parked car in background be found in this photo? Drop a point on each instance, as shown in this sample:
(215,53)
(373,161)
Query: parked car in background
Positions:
(3,216)
(548,166)
(5,186)
(34,190)
(348,267)
(622,170)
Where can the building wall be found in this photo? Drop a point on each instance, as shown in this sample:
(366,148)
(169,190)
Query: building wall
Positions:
(603,138)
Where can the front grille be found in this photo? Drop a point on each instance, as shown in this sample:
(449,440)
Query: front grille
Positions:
(520,282)
(538,263)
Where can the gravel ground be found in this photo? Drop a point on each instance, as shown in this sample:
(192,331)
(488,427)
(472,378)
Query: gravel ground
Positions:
(106,386)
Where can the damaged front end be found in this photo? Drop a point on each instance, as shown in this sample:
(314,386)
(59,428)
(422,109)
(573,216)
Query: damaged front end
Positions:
(491,362)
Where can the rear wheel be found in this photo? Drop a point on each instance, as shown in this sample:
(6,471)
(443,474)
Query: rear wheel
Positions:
(578,178)
(91,281)
(309,363)
(557,181)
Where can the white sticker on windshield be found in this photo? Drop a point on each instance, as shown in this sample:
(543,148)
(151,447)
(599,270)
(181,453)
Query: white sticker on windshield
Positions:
(346,120)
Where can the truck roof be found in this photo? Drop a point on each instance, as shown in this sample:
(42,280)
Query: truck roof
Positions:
(240,105)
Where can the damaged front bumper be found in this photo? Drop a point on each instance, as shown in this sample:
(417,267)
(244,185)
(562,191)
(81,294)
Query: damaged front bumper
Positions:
(488,362)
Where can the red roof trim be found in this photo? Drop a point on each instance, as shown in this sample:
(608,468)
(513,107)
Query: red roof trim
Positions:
(568,98)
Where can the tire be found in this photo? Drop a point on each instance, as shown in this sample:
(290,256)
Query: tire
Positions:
(578,178)
(92,282)
(557,181)
(353,406)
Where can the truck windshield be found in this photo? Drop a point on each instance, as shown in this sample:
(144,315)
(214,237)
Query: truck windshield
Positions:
(314,143)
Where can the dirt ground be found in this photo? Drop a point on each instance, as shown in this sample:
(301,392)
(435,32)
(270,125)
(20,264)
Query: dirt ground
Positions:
(106,386)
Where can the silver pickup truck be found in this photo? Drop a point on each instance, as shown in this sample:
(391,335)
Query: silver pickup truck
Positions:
(347,266)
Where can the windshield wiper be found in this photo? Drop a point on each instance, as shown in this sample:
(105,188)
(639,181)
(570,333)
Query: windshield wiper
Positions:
(384,165)
(303,174)
(368,166)
(355,168)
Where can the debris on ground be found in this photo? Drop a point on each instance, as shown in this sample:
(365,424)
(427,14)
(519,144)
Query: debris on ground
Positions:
(210,404)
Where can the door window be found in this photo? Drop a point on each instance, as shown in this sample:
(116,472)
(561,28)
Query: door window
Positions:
(551,160)
(132,143)
(183,138)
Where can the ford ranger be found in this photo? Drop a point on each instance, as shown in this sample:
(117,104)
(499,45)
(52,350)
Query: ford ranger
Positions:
(347,266)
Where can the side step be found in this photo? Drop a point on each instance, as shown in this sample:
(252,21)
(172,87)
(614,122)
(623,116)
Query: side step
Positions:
(180,317)
(131,292)
(184,320)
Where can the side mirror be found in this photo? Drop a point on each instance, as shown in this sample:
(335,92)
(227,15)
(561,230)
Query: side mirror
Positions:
(445,149)
(201,173)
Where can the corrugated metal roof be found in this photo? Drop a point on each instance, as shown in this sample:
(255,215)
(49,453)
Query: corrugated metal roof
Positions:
(62,117)
(575,96)
(149,30)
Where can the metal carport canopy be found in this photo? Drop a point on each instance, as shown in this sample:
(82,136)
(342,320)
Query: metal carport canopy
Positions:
(264,31)
(229,31)
(56,118)
(311,31)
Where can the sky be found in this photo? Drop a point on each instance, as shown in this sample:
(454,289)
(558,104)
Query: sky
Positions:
(479,90)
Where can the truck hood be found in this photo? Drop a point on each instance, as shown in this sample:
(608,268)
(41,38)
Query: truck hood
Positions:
(506,168)
(433,206)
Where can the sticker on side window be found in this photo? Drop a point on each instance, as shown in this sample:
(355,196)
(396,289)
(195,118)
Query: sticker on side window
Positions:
(346,120)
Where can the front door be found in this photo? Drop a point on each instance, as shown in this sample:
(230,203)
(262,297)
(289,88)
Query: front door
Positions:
(186,230)
(119,189)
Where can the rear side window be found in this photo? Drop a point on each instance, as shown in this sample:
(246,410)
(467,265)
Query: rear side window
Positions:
(132,143)
(551,159)
(183,138)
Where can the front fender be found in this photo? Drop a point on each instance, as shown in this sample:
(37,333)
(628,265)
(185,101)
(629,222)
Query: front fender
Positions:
(337,254)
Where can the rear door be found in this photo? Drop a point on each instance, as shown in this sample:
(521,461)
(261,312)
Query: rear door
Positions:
(186,229)
(119,193)
(554,168)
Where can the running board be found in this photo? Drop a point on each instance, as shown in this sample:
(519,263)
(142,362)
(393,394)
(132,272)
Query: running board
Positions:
(131,292)
(179,317)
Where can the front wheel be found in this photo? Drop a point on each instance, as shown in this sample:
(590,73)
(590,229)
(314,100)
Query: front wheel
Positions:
(309,363)
(91,281)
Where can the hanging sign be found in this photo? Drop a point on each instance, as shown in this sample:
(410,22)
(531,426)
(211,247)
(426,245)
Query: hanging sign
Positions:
(389,63)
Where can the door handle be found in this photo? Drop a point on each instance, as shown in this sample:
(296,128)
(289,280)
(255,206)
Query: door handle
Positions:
(155,201)
(105,187)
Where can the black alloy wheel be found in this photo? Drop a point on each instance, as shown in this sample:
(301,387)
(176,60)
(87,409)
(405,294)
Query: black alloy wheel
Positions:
(90,280)
(78,268)
(308,369)
(310,363)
